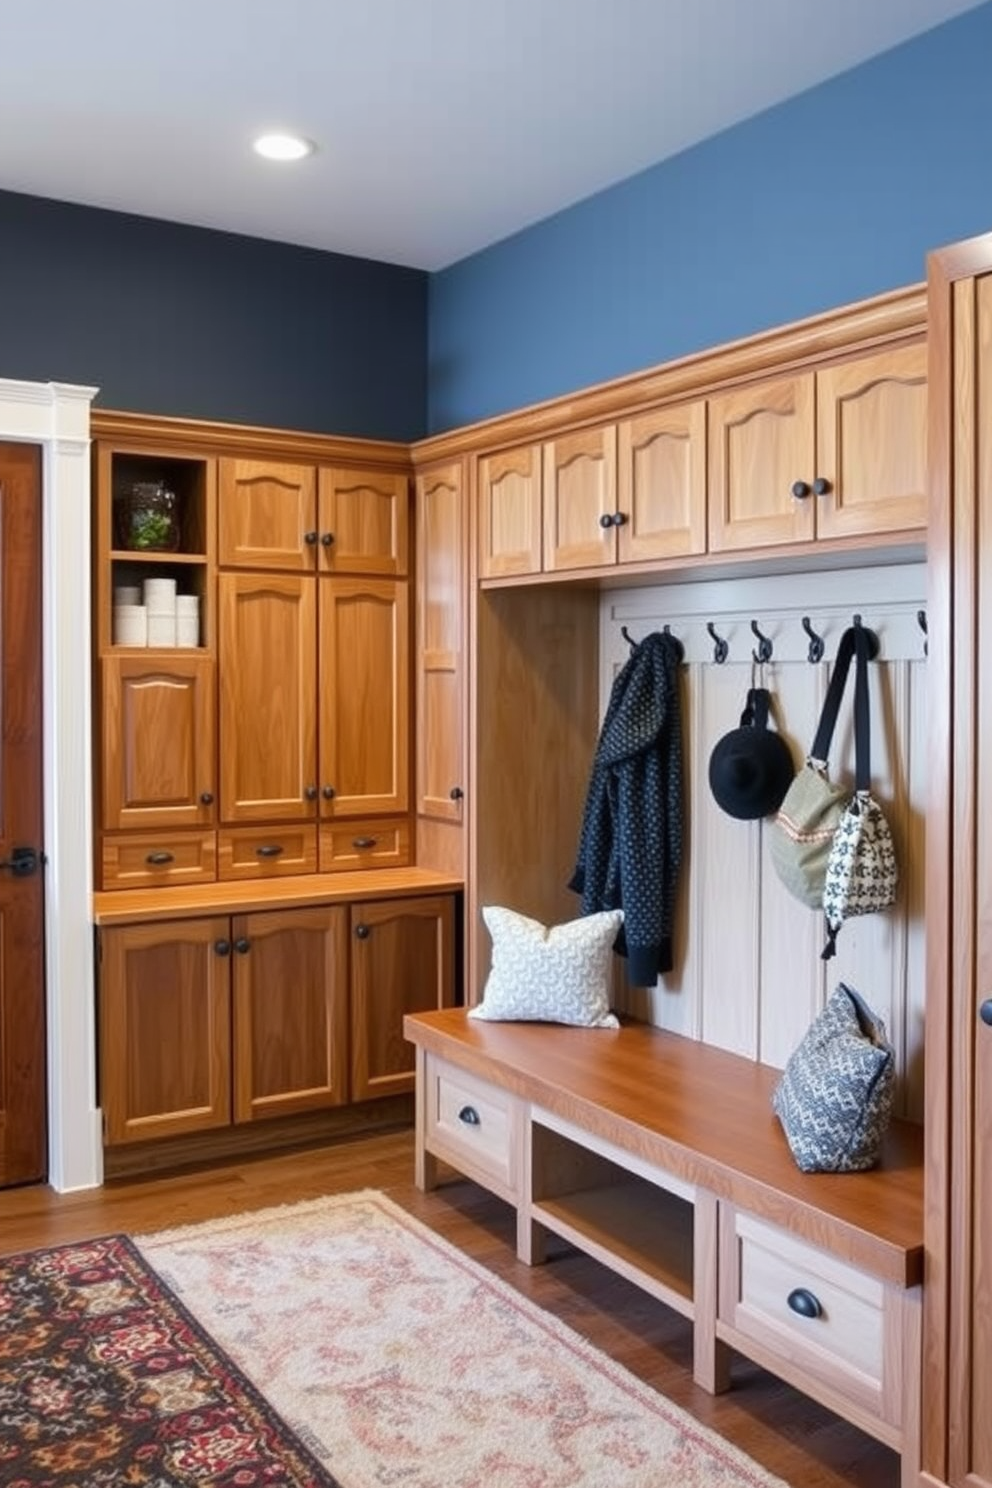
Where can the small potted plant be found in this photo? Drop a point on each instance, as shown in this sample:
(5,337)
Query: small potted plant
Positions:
(146,518)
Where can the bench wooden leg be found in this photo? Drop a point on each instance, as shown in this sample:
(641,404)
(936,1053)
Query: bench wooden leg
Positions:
(424,1162)
(912,1366)
(710,1357)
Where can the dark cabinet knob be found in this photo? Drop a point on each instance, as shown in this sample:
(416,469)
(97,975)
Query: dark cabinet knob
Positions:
(311,793)
(242,945)
(985,1011)
(269,850)
(327,538)
(800,489)
(821,486)
(310,538)
(805,1303)
(328,793)
(206,798)
(159,859)
(362,842)
(362,931)
(619,519)
(456,793)
(222,947)
(470,1116)
(606,520)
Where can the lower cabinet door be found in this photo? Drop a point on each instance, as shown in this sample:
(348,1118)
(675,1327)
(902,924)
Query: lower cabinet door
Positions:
(402,961)
(290,1011)
(165,1028)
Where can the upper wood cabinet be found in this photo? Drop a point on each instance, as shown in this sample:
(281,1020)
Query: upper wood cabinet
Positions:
(298,519)
(510,513)
(441,602)
(834,453)
(661,496)
(580,499)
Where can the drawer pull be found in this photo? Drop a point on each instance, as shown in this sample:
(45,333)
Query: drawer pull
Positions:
(469,1115)
(159,859)
(270,850)
(360,842)
(806,1303)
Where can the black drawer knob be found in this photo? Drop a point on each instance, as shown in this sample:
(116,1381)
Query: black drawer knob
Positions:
(619,519)
(363,842)
(470,1116)
(309,538)
(327,538)
(159,859)
(242,945)
(606,520)
(269,850)
(456,793)
(800,489)
(362,931)
(985,1011)
(328,793)
(222,947)
(311,793)
(821,486)
(207,798)
(804,1302)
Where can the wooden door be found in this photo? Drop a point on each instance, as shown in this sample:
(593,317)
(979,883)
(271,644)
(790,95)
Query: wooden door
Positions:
(267,733)
(510,520)
(402,961)
(580,500)
(761,453)
(441,603)
(662,483)
(165,1028)
(871,443)
(159,758)
(267,515)
(364,697)
(290,1011)
(364,522)
(23,1134)
(957,1423)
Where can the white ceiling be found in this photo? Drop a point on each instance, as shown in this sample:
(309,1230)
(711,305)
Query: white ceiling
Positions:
(442,125)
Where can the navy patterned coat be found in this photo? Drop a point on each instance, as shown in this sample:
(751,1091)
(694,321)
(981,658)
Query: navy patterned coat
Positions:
(630,849)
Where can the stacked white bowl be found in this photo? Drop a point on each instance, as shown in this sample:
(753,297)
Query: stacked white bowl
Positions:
(160,602)
(130,617)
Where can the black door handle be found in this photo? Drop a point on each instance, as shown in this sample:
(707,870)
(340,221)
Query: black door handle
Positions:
(23,861)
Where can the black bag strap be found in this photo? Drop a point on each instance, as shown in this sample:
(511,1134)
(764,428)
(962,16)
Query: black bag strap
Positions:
(835,691)
(756,712)
(862,735)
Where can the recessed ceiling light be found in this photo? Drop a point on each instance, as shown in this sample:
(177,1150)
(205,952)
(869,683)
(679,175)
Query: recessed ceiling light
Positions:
(283,146)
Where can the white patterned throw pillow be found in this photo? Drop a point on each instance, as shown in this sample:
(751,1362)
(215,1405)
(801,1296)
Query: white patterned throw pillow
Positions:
(556,975)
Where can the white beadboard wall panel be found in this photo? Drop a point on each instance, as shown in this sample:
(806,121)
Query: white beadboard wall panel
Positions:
(748,975)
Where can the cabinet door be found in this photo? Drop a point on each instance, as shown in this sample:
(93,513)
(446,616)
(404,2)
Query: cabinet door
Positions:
(290,1011)
(871,436)
(158,747)
(402,961)
(268,719)
(165,1028)
(267,515)
(364,520)
(364,697)
(761,443)
(510,513)
(441,601)
(662,484)
(580,500)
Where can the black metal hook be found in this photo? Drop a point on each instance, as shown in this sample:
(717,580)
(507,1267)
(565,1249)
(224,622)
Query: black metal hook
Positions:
(815,652)
(675,644)
(921,620)
(628,637)
(764,651)
(720,647)
(874,646)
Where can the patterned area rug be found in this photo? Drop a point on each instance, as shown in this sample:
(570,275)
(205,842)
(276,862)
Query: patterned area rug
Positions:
(401,1363)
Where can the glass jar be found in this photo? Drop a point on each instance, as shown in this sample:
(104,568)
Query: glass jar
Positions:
(146,518)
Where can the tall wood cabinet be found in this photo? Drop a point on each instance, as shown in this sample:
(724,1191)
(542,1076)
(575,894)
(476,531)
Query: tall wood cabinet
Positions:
(957,1423)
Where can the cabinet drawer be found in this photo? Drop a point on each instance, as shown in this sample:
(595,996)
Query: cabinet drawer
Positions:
(368,844)
(254,852)
(474,1126)
(841,1326)
(149,861)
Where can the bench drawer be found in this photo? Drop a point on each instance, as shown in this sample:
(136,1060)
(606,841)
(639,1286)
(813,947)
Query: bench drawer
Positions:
(812,1317)
(474,1126)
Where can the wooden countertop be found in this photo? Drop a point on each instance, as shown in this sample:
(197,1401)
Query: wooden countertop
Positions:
(131,906)
(704,1115)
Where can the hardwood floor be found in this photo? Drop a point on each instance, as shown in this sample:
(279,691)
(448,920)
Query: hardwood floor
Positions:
(783,1430)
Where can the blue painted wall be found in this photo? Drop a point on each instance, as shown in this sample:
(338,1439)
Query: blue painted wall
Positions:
(828,198)
(180,320)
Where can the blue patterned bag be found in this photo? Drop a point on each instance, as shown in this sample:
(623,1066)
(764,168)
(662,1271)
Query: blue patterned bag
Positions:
(834,1099)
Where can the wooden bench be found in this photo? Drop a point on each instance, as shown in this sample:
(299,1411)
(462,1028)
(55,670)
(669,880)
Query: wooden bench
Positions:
(661,1157)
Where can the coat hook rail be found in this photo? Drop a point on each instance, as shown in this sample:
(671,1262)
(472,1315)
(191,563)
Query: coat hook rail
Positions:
(815,652)
(720,646)
(764,651)
(874,646)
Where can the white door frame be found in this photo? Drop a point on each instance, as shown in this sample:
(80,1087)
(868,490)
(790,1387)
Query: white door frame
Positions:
(56,416)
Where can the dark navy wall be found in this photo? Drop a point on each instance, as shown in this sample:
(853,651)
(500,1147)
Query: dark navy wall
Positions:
(180,320)
(828,198)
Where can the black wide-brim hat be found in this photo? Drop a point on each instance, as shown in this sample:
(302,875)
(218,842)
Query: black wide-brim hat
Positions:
(751,768)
